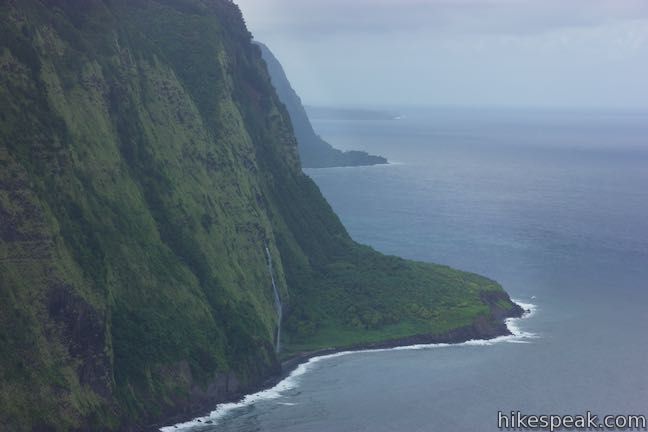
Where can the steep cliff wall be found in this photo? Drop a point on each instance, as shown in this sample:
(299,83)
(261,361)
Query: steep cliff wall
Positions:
(145,164)
(313,150)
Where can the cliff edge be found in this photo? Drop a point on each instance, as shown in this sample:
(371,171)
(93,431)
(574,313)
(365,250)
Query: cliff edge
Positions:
(152,210)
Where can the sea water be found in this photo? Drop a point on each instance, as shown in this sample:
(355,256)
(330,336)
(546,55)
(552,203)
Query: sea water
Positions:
(553,205)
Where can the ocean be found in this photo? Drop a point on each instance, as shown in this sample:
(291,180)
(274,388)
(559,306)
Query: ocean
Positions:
(553,204)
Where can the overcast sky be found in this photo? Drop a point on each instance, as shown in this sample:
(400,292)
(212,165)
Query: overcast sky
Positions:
(555,53)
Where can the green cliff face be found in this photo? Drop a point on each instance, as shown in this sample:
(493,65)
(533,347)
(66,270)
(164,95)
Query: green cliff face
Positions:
(145,165)
(314,152)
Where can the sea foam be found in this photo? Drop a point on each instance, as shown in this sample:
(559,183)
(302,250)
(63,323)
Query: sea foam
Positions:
(292,380)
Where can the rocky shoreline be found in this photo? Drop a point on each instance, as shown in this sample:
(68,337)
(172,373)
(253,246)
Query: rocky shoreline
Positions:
(482,328)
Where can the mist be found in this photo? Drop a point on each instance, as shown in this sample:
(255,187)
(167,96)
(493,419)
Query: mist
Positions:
(527,53)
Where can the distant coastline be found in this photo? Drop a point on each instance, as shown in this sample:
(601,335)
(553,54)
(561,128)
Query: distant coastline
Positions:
(314,151)
(335,113)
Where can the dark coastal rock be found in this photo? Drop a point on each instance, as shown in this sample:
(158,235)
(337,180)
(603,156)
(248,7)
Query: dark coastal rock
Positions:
(483,327)
(146,162)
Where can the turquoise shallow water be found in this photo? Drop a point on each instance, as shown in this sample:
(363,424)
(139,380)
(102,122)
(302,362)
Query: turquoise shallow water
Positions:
(553,205)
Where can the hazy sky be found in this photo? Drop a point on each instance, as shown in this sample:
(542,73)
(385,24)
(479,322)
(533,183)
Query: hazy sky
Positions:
(565,53)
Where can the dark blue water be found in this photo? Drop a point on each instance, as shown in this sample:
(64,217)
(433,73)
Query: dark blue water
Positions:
(553,205)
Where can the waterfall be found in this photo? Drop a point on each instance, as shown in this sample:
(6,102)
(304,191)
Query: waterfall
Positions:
(277,298)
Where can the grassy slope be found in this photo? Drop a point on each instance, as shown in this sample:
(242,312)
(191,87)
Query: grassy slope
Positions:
(145,163)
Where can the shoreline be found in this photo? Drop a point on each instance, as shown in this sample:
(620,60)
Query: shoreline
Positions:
(478,333)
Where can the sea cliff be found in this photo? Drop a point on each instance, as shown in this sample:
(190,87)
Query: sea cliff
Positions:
(314,152)
(146,163)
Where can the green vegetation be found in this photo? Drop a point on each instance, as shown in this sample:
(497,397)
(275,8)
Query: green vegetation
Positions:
(363,296)
(145,164)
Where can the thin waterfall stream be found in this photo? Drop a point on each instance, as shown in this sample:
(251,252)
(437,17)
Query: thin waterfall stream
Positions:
(277,297)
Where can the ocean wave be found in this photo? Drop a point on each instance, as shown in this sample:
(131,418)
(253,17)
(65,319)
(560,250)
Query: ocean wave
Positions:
(292,380)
